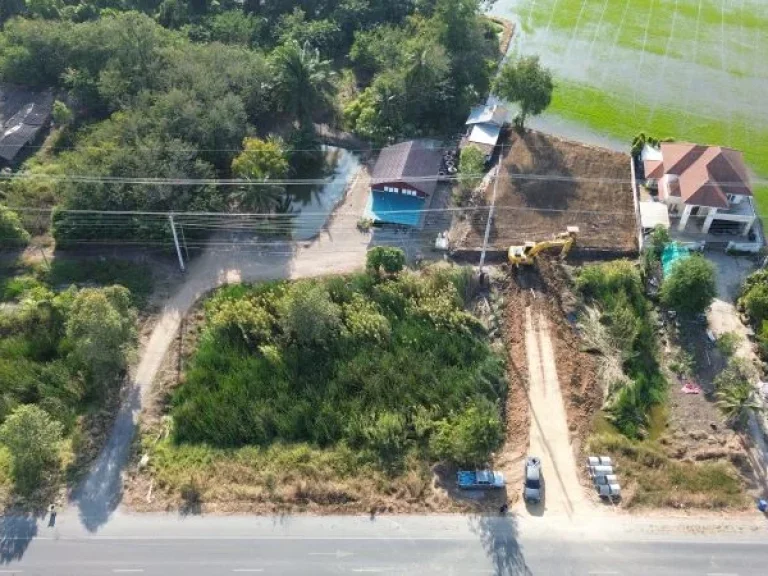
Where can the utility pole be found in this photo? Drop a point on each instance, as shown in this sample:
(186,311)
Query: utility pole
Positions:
(490,217)
(176,241)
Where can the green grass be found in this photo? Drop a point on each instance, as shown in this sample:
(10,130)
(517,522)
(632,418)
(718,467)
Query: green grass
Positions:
(699,31)
(617,115)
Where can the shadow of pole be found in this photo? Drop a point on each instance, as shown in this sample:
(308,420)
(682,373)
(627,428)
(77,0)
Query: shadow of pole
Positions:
(499,537)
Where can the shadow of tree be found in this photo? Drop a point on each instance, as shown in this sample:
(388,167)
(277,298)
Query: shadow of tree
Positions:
(499,537)
(101,492)
(16,532)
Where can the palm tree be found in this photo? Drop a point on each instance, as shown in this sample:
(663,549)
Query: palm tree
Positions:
(303,78)
(259,199)
(736,401)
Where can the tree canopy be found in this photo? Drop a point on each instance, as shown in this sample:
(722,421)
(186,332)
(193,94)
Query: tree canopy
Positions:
(527,83)
(690,286)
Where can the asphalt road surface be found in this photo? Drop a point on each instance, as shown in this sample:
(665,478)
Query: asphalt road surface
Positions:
(169,545)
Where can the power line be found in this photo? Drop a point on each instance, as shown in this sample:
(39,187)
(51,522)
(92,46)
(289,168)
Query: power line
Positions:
(148,181)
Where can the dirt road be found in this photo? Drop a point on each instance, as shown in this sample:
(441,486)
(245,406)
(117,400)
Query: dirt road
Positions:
(549,436)
(339,248)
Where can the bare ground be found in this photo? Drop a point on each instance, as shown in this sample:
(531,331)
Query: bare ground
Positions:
(546,184)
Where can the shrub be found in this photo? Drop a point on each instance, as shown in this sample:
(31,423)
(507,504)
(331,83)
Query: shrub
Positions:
(728,343)
(659,239)
(468,438)
(241,320)
(100,329)
(755,302)
(391,260)
(12,233)
(364,320)
(471,167)
(32,437)
(691,285)
(308,315)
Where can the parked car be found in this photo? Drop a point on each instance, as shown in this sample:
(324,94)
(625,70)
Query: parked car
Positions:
(480,479)
(534,481)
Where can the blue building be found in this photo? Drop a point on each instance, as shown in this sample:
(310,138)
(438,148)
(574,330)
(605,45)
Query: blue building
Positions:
(403,182)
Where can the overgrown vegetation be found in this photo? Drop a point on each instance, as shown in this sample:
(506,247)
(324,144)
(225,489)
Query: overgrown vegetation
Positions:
(471,168)
(390,366)
(63,352)
(12,233)
(625,330)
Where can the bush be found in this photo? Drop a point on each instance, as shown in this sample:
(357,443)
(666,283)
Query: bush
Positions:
(12,233)
(391,260)
(241,320)
(468,438)
(471,167)
(755,302)
(691,285)
(32,437)
(728,343)
(100,330)
(308,315)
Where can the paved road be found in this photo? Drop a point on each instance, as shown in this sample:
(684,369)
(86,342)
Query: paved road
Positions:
(167,545)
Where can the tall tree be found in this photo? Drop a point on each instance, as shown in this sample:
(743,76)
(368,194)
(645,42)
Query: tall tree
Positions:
(690,286)
(526,83)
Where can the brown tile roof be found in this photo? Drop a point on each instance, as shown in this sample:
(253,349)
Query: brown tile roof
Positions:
(706,174)
(654,169)
(415,162)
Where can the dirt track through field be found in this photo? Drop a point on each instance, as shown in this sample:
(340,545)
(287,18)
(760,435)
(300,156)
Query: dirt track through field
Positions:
(549,436)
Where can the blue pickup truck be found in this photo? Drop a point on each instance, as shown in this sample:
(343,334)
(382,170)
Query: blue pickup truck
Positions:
(479,479)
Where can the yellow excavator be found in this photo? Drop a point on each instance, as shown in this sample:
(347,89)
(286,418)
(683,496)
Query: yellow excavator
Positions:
(526,254)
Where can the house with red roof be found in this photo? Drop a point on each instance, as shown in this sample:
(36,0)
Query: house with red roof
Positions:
(706,187)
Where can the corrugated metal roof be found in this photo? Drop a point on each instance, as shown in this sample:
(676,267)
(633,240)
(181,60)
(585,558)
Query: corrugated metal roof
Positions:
(29,112)
(485,134)
(493,114)
(415,162)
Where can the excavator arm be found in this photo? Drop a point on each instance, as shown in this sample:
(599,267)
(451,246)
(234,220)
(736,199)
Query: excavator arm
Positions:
(527,253)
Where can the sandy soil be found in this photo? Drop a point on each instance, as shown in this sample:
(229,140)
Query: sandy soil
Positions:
(582,191)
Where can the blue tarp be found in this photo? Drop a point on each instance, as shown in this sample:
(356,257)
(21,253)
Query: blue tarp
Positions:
(394,208)
(671,254)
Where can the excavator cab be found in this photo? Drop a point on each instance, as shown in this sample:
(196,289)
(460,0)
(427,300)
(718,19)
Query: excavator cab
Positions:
(526,253)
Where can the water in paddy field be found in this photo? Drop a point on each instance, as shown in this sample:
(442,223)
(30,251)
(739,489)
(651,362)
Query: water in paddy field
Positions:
(702,61)
(311,205)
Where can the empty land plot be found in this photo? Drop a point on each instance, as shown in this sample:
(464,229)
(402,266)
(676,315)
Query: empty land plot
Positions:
(547,184)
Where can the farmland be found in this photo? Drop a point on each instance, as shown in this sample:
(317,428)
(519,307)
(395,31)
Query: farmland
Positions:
(686,69)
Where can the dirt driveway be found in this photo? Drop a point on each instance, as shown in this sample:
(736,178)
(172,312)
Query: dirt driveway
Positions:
(549,435)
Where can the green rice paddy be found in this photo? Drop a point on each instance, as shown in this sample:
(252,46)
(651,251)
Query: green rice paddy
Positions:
(687,69)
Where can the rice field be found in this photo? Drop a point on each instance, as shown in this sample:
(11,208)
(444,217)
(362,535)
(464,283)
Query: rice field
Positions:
(688,69)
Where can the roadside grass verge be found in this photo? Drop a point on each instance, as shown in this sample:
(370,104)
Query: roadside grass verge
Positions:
(656,480)
(296,476)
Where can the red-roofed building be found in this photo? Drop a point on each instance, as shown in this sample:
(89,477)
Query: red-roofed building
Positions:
(710,183)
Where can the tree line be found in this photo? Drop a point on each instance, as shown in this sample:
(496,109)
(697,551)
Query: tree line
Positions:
(181,88)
